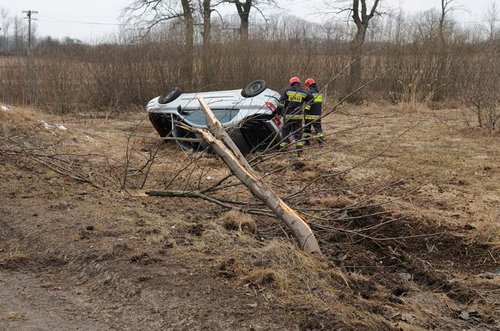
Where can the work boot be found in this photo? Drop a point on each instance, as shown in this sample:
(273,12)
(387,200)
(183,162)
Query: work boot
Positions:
(306,137)
(299,147)
(320,139)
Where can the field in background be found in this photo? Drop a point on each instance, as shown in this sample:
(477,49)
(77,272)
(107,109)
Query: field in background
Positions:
(74,78)
(421,185)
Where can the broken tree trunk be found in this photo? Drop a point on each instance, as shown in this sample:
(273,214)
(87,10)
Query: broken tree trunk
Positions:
(216,128)
(231,155)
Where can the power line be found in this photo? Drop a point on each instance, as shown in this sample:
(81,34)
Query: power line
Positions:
(54,20)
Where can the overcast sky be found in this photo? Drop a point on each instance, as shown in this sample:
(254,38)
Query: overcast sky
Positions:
(93,20)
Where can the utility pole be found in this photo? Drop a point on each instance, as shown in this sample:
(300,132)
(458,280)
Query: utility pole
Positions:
(30,74)
(29,14)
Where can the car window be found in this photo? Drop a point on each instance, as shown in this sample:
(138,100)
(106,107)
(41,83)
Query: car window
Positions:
(198,117)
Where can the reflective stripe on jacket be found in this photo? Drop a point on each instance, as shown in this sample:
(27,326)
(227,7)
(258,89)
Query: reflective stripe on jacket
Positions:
(308,117)
(296,117)
(293,99)
(317,103)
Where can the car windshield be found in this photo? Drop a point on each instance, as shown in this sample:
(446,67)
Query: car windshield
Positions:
(197,117)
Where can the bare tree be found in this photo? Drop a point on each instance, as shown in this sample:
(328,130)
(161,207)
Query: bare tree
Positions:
(187,10)
(361,16)
(146,15)
(206,10)
(243,9)
(480,91)
(491,19)
(19,34)
(150,13)
(244,14)
(425,26)
(5,22)
(447,7)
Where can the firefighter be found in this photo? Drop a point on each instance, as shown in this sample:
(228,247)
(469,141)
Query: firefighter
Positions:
(312,114)
(291,106)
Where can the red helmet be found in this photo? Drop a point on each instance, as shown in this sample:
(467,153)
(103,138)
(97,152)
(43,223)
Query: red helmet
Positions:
(309,82)
(294,80)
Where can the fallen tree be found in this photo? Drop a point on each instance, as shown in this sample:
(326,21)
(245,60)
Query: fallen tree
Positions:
(222,144)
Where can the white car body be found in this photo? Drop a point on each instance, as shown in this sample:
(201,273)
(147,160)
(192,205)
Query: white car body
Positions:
(251,121)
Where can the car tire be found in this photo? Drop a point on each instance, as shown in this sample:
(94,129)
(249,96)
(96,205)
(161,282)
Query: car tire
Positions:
(174,94)
(254,88)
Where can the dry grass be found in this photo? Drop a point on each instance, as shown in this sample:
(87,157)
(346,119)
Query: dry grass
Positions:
(278,267)
(445,184)
(266,278)
(308,175)
(12,117)
(335,201)
(454,170)
(235,220)
(487,229)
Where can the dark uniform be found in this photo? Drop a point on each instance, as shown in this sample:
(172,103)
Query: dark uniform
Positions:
(312,116)
(292,103)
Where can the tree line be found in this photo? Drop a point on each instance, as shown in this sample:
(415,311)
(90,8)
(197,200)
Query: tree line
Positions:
(420,58)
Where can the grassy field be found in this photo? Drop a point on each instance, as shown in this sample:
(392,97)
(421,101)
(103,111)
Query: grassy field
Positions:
(405,202)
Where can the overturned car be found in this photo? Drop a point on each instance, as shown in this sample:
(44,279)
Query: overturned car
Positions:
(248,115)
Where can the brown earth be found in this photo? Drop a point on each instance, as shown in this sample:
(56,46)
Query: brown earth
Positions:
(405,203)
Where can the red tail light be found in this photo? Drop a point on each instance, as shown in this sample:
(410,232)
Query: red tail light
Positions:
(271,106)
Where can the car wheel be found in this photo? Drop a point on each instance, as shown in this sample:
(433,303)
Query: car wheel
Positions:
(174,94)
(254,88)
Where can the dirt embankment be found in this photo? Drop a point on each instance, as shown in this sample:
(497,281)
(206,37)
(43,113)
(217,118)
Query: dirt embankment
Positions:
(411,238)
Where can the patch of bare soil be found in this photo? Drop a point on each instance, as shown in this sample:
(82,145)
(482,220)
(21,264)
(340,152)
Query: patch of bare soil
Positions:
(410,238)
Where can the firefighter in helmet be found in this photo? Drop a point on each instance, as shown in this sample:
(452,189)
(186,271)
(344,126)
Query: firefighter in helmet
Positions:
(291,107)
(312,114)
